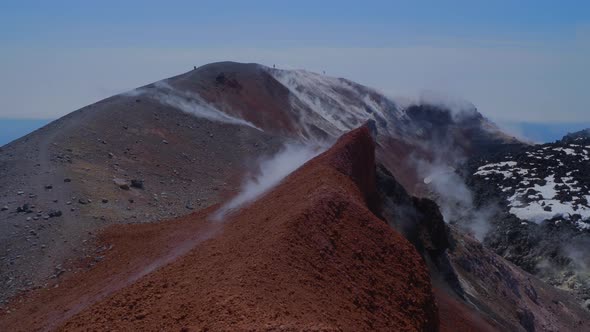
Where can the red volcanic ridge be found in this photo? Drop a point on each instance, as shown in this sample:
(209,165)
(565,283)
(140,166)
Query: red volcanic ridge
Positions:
(308,255)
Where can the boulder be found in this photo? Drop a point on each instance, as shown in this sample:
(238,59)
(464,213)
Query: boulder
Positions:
(137,184)
(24,208)
(121,183)
(54,213)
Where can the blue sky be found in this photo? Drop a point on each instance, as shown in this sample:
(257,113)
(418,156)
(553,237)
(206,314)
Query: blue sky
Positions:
(518,61)
(300,23)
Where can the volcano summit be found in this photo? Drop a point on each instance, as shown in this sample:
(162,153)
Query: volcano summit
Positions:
(241,197)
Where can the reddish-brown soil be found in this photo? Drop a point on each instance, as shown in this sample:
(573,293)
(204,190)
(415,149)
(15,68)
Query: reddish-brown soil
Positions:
(130,253)
(309,255)
(456,316)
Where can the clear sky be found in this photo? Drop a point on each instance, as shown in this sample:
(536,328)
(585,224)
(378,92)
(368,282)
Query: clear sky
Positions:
(517,61)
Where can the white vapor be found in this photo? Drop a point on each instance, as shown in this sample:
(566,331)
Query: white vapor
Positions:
(450,191)
(187,102)
(271,171)
(455,199)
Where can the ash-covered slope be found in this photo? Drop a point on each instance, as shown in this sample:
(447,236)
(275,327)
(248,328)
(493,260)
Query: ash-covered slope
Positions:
(67,180)
(543,195)
(308,255)
(184,143)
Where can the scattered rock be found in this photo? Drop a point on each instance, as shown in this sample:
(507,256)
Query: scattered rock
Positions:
(59,270)
(83,201)
(4,208)
(48,186)
(24,208)
(20,193)
(165,141)
(67,180)
(54,213)
(121,183)
(104,200)
(137,184)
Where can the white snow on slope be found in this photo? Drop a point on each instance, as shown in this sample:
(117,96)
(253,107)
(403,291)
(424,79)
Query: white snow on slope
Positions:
(489,169)
(567,151)
(546,207)
(535,200)
(341,104)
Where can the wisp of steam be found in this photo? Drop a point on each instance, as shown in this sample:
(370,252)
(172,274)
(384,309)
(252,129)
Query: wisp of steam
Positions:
(271,171)
(453,196)
(455,199)
(188,102)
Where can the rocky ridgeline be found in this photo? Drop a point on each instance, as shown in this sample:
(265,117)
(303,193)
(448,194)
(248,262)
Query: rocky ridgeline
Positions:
(548,182)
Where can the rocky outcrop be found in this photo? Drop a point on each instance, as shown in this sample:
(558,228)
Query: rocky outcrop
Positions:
(476,289)
(542,195)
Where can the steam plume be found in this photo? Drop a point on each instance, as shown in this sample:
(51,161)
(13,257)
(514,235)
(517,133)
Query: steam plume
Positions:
(271,171)
(188,102)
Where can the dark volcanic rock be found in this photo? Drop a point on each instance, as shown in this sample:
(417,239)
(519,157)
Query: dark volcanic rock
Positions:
(541,192)
(54,213)
(26,208)
(137,184)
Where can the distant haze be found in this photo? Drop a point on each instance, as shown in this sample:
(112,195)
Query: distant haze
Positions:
(518,62)
(11,129)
